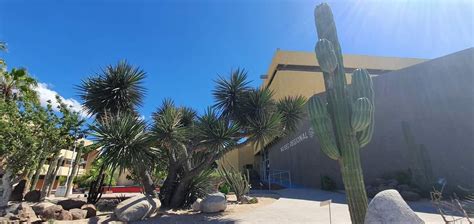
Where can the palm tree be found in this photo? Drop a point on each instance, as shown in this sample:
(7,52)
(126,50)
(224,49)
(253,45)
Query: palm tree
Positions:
(125,145)
(241,115)
(115,89)
(17,83)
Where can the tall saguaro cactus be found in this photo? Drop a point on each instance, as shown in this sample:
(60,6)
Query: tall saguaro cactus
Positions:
(345,123)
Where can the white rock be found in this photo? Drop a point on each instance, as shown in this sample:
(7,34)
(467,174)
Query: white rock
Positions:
(196,206)
(136,208)
(388,207)
(215,202)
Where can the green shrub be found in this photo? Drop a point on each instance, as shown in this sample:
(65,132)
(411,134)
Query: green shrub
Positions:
(327,183)
(224,188)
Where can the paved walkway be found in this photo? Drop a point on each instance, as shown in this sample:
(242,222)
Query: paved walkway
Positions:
(303,206)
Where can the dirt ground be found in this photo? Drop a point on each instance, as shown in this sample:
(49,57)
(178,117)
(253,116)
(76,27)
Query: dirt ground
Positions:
(233,210)
(188,216)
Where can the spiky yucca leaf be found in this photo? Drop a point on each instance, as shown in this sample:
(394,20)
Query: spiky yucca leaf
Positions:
(292,110)
(116,88)
(230,94)
(123,141)
(215,132)
(168,129)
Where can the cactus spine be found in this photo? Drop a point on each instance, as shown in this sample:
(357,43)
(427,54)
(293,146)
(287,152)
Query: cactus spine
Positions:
(345,123)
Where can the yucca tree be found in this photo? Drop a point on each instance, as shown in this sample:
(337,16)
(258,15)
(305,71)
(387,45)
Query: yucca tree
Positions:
(241,115)
(125,145)
(112,94)
(117,88)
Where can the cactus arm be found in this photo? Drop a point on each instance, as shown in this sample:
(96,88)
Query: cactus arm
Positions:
(362,87)
(361,114)
(323,128)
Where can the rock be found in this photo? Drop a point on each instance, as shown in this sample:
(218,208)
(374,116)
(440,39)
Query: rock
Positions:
(248,200)
(33,196)
(56,212)
(196,206)
(71,203)
(12,208)
(17,193)
(78,213)
(11,216)
(90,209)
(40,206)
(25,212)
(389,207)
(106,204)
(51,212)
(410,195)
(65,215)
(136,208)
(215,202)
(403,187)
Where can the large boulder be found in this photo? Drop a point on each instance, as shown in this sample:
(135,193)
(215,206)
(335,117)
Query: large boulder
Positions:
(17,193)
(196,206)
(71,203)
(90,209)
(41,206)
(22,212)
(78,213)
(25,212)
(33,196)
(215,202)
(389,207)
(56,212)
(136,208)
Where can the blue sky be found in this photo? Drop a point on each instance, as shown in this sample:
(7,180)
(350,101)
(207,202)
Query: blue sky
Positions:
(184,45)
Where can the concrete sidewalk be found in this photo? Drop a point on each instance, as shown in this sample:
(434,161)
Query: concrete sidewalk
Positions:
(303,206)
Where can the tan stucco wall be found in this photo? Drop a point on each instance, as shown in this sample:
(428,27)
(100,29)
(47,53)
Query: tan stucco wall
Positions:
(350,61)
(239,158)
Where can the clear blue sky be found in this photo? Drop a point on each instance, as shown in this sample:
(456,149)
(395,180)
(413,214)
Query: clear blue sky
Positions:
(184,45)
